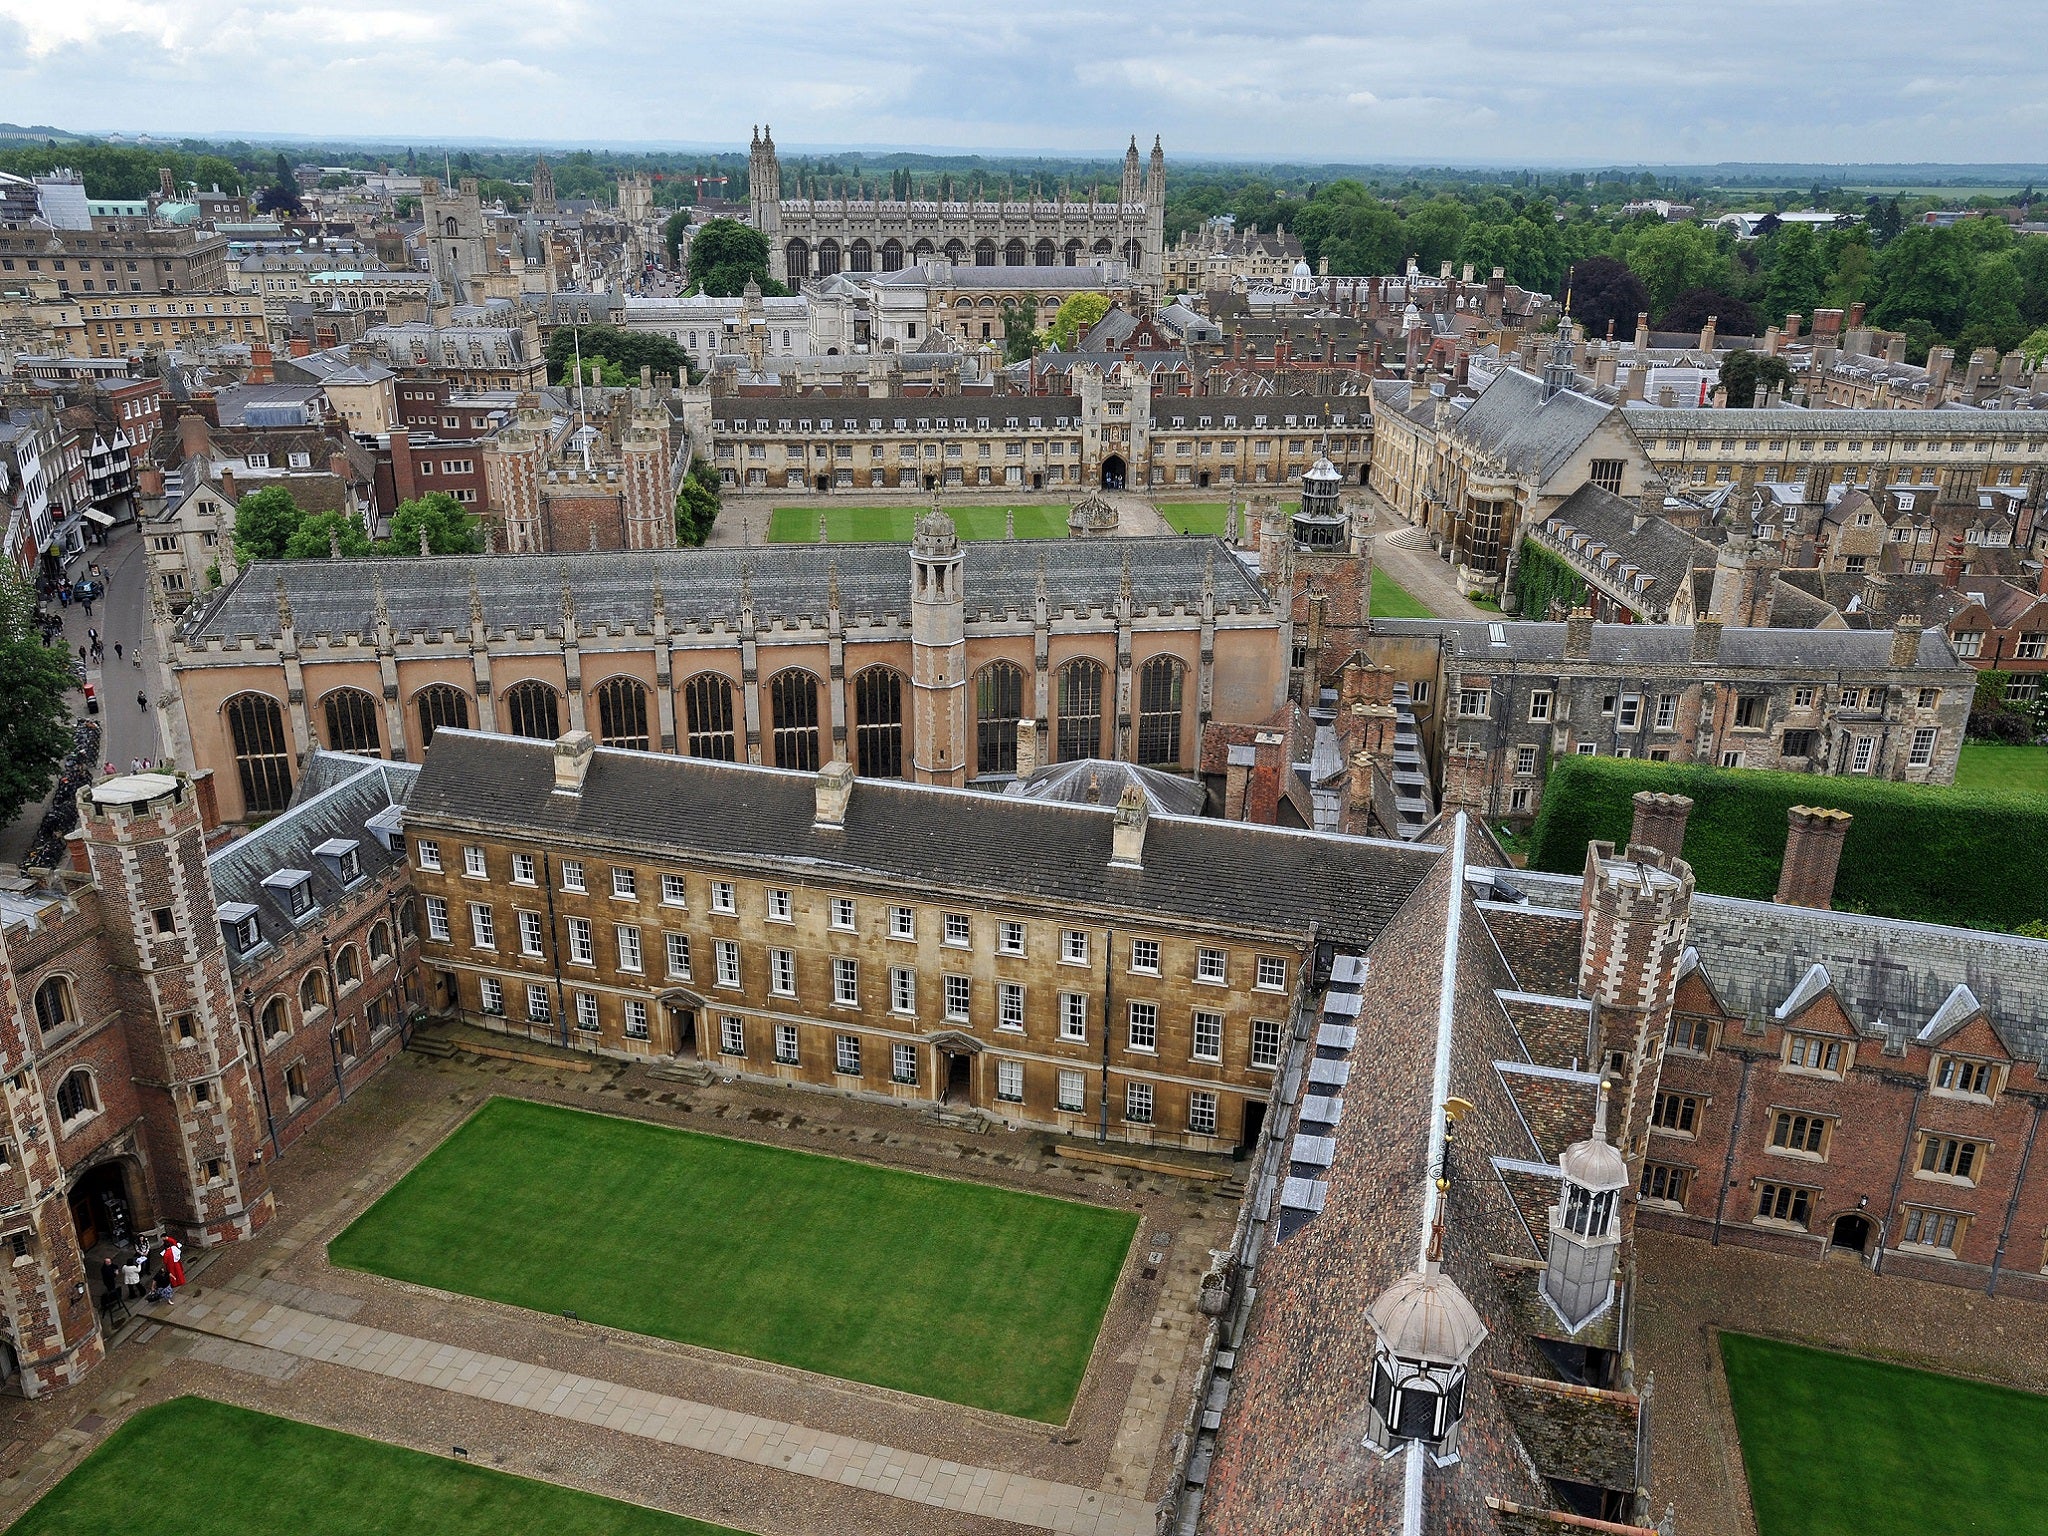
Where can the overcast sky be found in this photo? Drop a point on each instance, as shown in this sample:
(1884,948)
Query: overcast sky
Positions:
(1602,81)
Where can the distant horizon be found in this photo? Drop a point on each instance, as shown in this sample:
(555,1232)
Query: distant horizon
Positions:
(1479,83)
(17,134)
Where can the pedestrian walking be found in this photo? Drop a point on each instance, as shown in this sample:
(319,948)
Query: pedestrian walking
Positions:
(92,635)
(110,767)
(174,1261)
(88,606)
(110,1276)
(117,650)
(99,652)
(141,700)
(64,596)
(81,655)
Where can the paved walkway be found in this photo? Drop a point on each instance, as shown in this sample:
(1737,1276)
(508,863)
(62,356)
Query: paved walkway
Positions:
(235,1315)
(1401,549)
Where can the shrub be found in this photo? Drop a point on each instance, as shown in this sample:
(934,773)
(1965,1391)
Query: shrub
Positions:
(1966,857)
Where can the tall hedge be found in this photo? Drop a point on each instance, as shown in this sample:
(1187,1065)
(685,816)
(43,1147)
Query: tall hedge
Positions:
(1966,857)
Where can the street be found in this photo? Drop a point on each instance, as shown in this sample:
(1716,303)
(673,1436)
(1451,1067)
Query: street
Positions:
(128,730)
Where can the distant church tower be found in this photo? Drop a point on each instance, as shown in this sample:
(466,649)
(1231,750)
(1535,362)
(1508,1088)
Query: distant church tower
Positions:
(764,197)
(544,206)
(938,653)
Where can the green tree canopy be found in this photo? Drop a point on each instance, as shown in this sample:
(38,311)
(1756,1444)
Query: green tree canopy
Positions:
(1020,339)
(697,503)
(450,528)
(265,521)
(724,254)
(672,231)
(35,680)
(317,535)
(1076,314)
(1742,372)
(628,351)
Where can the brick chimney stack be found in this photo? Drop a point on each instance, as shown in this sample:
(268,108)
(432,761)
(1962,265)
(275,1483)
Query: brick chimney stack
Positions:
(1706,638)
(1027,748)
(1578,635)
(1262,791)
(1906,641)
(1954,564)
(1813,853)
(1659,822)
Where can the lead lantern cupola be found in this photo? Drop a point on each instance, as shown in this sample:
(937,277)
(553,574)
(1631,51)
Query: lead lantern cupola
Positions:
(1585,1226)
(1426,1333)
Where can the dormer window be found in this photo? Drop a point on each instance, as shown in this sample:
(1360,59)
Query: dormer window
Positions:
(385,826)
(243,926)
(1965,1077)
(342,858)
(1817,1053)
(294,888)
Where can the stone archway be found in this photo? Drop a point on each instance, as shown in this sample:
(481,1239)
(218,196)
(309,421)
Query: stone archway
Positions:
(1114,473)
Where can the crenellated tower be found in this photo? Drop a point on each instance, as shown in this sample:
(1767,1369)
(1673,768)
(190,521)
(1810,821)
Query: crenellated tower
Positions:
(938,652)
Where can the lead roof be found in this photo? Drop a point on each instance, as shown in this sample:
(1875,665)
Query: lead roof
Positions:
(1670,645)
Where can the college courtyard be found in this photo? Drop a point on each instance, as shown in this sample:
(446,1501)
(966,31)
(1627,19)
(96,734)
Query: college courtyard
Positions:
(560,1290)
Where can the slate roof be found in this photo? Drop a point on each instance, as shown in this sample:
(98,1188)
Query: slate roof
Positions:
(1783,420)
(1511,421)
(702,586)
(347,792)
(1197,870)
(1093,278)
(1660,551)
(1670,645)
(742,413)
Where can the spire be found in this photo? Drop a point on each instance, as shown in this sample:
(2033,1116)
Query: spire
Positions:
(1558,373)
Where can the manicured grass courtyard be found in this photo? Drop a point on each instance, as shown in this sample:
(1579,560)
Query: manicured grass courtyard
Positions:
(896,525)
(1839,1446)
(203,1468)
(1208,516)
(1994,765)
(934,1286)
(1391,600)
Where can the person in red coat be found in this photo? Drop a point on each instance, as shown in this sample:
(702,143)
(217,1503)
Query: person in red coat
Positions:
(174,1261)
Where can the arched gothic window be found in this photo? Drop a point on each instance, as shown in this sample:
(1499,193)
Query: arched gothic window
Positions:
(892,255)
(76,1095)
(1042,254)
(531,709)
(878,723)
(998,705)
(622,713)
(263,753)
(277,1020)
(56,1008)
(708,717)
(797,256)
(441,704)
(1159,711)
(351,721)
(860,257)
(793,714)
(1013,252)
(828,257)
(312,992)
(984,252)
(1073,253)
(956,251)
(1080,702)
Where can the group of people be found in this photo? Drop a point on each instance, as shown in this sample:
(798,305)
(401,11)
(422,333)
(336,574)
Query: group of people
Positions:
(149,1273)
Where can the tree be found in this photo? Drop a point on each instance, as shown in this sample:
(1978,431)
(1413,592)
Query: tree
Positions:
(319,534)
(1020,339)
(724,254)
(1743,371)
(697,503)
(265,521)
(672,232)
(1672,259)
(1732,317)
(1603,290)
(283,200)
(1794,272)
(2034,349)
(1076,315)
(35,680)
(450,528)
(629,350)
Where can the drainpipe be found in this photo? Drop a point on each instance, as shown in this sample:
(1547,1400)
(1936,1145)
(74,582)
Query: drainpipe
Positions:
(1899,1178)
(547,875)
(2019,1180)
(333,1011)
(1108,994)
(398,993)
(262,1077)
(1728,1166)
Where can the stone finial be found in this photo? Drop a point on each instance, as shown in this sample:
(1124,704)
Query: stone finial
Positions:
(159,603)
(832,585)
(425,550)
(476,601)
(1209,579)
(334,543)
(570,629)
(379,609)
(284,606)
(1010,525)
(593,541)
(660,605)
(824,532)
(747,592)
(1124,586)
(1230,520)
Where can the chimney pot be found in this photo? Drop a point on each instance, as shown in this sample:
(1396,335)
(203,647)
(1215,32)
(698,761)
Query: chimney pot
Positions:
(573,752)
(1578,634)
(1027,748)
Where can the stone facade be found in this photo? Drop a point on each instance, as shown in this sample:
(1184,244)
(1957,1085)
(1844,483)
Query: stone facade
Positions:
(816,237)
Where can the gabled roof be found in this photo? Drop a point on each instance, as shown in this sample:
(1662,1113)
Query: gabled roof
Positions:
(1512,421)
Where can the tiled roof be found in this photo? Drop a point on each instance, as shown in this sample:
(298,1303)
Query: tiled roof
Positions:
(702,586)
(1511,421)
(999,846)
(1653,546)
(1670,645)
(853,414)
(1780,420)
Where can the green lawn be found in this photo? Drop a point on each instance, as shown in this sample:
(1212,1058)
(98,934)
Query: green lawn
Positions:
(1206,516)
(1391,600)
(895,525)
(207,1469)
(1994,765)
(935,1286)
(1839,1446)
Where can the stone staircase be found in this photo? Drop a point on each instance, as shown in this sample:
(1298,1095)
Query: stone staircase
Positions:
(695,1073)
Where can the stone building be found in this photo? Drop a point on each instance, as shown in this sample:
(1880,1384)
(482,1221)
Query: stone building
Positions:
(1113,431)
(816,237)
(172,1018)
(461,253)
(1105,968)
(560,480)
(156,262)
(1497,702)
(787,654)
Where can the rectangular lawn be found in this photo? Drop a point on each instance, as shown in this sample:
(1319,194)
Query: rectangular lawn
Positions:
(1840,1446)
(935,1286)
(1994,765)
(895,525)
(1391,600)
(1210,516)
(203,1468)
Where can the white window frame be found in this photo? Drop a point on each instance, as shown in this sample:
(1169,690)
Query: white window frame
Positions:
(1145,957)
(1010,1082)
(572,875)
(1138,1103)
(582,943)
(726,953)
(724,897)
(476,864)
(1270,974)
(782,972)
(627,937)
(437,919)
(903,923)
(483,926)
(1212,967)
(1141,1024)
(1073,946)
(530,933)
(1010,1006)
(1072,1090)
(1209,1024)
(843,914)
(959,997)
(675,891)
(676,948)
(845,981)
(1009,937)
(1269,1043)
